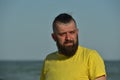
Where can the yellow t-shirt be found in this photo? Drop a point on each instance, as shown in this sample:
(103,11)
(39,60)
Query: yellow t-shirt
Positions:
(86,64)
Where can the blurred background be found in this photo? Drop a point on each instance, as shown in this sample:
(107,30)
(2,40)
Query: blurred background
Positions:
(26,27)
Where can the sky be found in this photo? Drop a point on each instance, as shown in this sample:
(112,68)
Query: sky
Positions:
(26,27)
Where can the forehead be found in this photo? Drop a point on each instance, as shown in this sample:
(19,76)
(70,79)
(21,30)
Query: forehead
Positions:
(64,27)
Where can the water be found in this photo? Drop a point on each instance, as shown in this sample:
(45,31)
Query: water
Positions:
(113,70)
(30,70)
(20,70)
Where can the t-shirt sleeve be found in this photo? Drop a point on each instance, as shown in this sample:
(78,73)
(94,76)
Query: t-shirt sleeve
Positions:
(96,65)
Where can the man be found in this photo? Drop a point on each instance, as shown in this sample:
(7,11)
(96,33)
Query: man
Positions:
(71,61)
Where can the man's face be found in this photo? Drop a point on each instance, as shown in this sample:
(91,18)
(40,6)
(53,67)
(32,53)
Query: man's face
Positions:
(66,37)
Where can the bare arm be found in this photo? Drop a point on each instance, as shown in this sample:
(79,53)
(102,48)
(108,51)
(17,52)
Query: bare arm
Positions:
(101,78)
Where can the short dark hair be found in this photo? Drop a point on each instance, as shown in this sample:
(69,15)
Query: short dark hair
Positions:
(63,18)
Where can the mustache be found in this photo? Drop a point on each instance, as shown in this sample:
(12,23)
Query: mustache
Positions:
(68,41)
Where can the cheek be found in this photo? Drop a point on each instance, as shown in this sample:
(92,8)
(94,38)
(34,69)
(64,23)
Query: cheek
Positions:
(75,38)
(61,40)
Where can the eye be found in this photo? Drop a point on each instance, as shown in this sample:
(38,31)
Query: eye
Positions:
(72,32)
(62,34)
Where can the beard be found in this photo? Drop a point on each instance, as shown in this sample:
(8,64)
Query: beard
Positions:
(68,51)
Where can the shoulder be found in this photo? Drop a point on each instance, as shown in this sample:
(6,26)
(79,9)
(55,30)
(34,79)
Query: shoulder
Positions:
(51,56)
(86,50)
(89,53)
(92,55)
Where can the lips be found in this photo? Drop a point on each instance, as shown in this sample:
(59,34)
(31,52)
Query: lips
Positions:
(68,43)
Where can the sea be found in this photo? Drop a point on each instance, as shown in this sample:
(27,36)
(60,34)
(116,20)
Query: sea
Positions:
(31,70)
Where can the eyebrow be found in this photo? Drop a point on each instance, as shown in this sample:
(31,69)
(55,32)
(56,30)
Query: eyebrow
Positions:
(67,31)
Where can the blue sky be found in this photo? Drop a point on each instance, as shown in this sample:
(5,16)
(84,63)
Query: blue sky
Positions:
(25,27)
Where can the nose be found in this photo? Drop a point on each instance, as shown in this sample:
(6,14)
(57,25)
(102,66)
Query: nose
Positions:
(67,36)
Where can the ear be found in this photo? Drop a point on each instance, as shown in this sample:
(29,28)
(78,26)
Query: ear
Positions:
(54,36)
